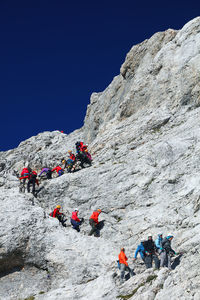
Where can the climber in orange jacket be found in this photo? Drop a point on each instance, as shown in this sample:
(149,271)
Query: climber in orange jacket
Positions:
(94,222)
(59,170)
(124,265)
(122,257)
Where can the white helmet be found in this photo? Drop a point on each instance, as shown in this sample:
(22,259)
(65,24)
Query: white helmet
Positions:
(76,209)
(170,234)
(150,234)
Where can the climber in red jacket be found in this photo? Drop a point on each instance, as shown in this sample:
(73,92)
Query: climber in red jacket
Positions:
(25,175)
(32,181)
(25,172)
(57,214)
(71,155)
(83,148)
(59,170)
(75,221)
(94,222)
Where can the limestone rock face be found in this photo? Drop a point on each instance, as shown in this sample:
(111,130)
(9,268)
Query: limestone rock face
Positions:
(160,72)
(144,135)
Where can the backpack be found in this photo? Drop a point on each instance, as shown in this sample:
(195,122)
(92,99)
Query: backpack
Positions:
(118,264)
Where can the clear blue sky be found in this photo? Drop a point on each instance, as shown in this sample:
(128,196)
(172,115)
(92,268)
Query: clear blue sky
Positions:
(55,53)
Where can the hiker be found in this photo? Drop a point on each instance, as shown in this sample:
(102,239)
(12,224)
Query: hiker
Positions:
(47,172)
(57,214)
(71,155)
(32,181)
(88,155)
(70,163)
(150,253)
(167,252)
(82,154)
(59,170)
(158,243)
(78,145)
(123,265)
(75,221)
(140,249)
(83,148)
(93,221)
(25,174)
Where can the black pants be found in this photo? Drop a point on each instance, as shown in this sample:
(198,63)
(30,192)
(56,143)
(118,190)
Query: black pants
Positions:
(83,159)
(31,182)
(48,174)
(62,220)
(94,228)
(148,260)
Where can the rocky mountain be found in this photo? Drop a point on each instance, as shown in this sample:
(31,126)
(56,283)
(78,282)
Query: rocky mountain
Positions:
(144,135)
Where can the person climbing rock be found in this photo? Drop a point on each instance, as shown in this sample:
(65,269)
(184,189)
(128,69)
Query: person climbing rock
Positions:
(150,253)
(93,221)
(25,175)
(70,163)
(140,249)
(158,243)
(88,155)
(123,265)
(71,155)
(75,221)
(47,172)
(167,251)
(82,154)
(32,181)
(83,148)
(59,170)
(25,172)
(57,214)
(78,145)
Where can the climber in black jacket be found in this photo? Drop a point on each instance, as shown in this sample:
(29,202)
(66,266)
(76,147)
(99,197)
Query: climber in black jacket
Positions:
(167,251)
(150,253)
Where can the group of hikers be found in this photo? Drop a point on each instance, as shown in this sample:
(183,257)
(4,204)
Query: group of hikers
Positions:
(149,251)
(81,158)
(159,251)
(76,221)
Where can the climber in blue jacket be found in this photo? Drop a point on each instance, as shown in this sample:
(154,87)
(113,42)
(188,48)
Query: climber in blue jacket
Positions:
(158,243)
(141,250)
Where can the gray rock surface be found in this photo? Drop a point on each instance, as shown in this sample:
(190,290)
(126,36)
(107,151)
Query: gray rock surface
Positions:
(144,135)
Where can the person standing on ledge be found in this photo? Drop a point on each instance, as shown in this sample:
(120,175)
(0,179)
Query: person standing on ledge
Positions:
(93,221)
(123,265)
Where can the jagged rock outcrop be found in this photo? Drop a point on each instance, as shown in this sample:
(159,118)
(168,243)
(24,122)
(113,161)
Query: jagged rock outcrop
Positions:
(162,72)
(145,139)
